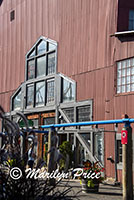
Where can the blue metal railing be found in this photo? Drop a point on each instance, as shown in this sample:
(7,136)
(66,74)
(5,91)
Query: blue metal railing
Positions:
(117,121)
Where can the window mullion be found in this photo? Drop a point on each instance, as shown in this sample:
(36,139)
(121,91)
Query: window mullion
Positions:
(46,68)
(34,102)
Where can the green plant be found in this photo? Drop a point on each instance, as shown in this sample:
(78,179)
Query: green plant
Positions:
(65,149)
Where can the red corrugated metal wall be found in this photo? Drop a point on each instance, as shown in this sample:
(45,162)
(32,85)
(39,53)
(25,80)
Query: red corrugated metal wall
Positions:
(82,29)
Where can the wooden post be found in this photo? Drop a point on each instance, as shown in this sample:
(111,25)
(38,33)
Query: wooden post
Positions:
(115,142)
(127,172)
(49,147)
(51,163)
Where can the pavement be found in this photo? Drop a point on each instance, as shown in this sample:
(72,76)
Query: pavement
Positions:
(106,192)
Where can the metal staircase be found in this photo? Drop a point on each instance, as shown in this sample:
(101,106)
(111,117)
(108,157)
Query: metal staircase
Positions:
(82,140)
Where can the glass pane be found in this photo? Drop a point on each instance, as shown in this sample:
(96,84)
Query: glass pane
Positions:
(132,87)
(118,89)
(132,61)
(41,65)
(68,90)
(30,95)
(119,81)
(51,63)
(128,71)
(128,63)
(83,113)
(50,91)
(123,72)
(123,81)
(131,20)
(123,88)
(42,47)
(17,101)
(123,64)
(130,25)
(31,54)
(70,114)
(132,70)
(49,120)
(132,79)
(119,65)
(128,79)
(35,122)
(98,149)
(131,14)
(51,47)
(119,73)
(40,93)
(31,69)
(128,88)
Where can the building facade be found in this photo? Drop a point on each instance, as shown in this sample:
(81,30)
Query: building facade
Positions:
(67,61)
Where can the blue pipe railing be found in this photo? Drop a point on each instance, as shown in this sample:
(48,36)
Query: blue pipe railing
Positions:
(117,121)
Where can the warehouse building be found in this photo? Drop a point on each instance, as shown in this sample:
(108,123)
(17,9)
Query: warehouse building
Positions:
(70,61)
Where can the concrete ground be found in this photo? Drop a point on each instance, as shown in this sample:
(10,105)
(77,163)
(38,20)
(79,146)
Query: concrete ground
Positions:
(106,192)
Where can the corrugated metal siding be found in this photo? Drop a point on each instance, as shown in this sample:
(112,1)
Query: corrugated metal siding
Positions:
(86,52)
(82,29)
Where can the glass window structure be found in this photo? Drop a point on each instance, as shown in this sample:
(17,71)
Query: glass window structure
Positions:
(40,93)
(40,64)
(68,90)
(17,101)
(30,95)
(35,122)
(131,20)
(125,76)
(83,113)
(50,91)
(49,120)
(69,113)
(41,60)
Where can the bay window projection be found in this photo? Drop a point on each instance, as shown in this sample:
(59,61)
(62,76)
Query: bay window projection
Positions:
(68,90)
